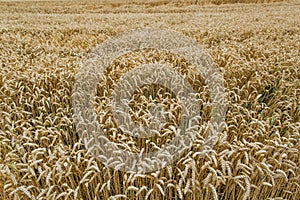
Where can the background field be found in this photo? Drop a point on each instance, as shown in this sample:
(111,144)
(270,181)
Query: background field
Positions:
(256,46)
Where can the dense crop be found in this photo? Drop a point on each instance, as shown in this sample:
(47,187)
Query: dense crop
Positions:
(256,47)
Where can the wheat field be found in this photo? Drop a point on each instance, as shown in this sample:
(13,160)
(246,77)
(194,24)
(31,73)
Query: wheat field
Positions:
(256,46)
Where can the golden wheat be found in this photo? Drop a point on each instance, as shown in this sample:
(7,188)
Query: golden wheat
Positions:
(42,46)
